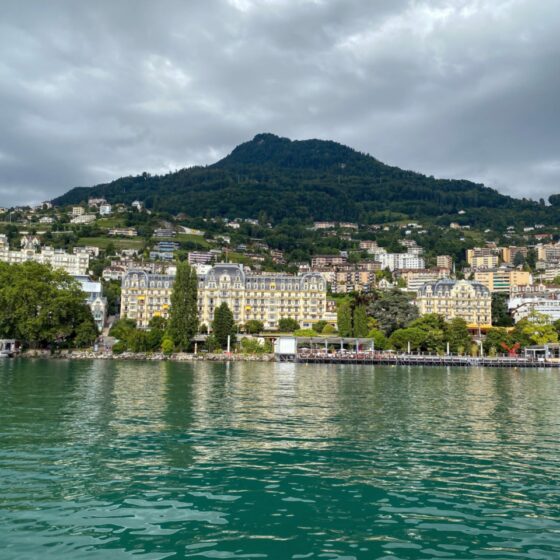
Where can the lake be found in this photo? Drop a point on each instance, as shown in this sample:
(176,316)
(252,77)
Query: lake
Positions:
(122,460)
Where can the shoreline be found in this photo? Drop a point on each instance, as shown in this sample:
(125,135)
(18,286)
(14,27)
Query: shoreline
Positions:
(145,356)
(401,360)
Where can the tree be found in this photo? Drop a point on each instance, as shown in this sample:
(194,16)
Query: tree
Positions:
(494,338)
(223,325)
(167,346)
(535,329)
(519,259)
(328,329)
(531,259)
(183,316)
(393,310)
(401,337)
(112,291)
(344,319)
(254,326)
(122,328)
(287,324)
(500,313)
(319,326)
(433,326)
(43,307)
(457,334)
(360,322)
(379,339)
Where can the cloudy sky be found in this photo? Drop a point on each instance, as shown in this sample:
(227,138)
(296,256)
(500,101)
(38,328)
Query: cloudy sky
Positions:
(90,91)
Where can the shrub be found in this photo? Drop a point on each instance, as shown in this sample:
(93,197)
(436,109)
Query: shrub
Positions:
(167,346)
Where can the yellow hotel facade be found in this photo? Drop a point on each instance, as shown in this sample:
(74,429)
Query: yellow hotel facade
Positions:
(470,301)
(264,297)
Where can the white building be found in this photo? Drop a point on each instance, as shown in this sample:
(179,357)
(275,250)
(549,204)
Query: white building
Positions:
(75,265)
(78,211)
(83,219)
(95,300)
(400,261)
(91,250)
(105,209)
(521,308)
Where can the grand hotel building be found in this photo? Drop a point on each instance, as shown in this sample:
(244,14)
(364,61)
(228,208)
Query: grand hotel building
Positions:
(264,297)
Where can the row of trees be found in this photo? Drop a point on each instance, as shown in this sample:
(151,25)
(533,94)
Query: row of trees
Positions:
(43,307)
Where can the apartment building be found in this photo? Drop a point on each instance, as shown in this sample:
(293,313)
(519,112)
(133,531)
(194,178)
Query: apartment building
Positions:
(444,261)
(547,304)
(400,261)
(200,257)
(415,279)
(470,301)
(75,264)
(352,279)
(483,257)
(123,232)
(548,253)
(368,245)
(503,280)
(510,253)
(264,297)
(319,261)
(484,262)
(84,219)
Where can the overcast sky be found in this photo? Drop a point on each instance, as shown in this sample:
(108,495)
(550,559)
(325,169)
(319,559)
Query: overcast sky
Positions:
(90,91)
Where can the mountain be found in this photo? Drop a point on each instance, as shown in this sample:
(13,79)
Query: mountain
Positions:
(314,179)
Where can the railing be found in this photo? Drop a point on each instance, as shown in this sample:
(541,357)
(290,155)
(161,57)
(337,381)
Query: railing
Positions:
(321,356)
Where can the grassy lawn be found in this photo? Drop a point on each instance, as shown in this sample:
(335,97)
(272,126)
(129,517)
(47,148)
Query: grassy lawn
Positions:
(238,258)
(119,243)
(184,237)
(110,222)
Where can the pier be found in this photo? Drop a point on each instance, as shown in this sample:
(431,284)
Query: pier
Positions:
(381,358)
(337,350)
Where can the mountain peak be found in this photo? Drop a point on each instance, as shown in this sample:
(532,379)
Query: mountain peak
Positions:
(269,150)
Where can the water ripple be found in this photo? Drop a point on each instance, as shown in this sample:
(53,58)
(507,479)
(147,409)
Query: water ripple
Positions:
(115,460)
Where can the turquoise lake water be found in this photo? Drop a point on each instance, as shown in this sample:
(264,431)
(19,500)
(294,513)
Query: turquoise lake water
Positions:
(123,460)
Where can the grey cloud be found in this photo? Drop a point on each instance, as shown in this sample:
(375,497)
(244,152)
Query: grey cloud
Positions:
(455,88)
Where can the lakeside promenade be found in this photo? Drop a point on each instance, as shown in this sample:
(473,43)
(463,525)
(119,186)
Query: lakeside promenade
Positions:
(386,358)
(346,358)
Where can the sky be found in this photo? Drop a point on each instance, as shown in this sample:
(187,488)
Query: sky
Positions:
(91,91)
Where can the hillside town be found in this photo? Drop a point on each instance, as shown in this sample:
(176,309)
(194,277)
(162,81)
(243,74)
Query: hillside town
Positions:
(125,260)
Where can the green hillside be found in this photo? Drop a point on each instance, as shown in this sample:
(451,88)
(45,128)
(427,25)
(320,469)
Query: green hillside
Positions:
(314,180)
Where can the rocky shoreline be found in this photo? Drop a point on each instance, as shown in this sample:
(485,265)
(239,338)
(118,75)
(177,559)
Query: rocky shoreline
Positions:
(146,356)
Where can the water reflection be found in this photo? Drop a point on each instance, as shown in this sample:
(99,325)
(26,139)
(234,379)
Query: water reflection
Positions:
(113,459)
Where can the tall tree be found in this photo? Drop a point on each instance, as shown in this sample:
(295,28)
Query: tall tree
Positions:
(500,312)
(457,334)
(223,325)
(183,315)
(360,322)
(344,319)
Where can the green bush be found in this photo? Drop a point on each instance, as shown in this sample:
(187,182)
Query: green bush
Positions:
(305,332)
(167,346)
